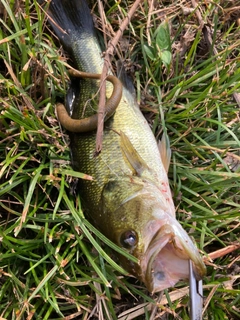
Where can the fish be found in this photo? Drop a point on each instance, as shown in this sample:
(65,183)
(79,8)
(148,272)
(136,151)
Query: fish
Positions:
(129,199)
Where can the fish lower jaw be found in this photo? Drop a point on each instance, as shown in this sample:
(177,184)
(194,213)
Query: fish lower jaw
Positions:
(166,270)
(165,261)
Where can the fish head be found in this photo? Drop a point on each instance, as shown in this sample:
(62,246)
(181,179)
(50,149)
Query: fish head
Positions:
(140,220)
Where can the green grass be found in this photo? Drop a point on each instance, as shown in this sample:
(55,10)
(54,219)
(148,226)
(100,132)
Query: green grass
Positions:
(53,263)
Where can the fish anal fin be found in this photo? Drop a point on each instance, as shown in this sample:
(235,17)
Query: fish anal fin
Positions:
(165,151)
(138,165)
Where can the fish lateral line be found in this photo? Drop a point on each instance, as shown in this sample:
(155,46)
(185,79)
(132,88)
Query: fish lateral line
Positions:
(90,123)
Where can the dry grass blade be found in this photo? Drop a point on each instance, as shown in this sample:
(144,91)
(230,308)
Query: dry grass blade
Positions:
(184,60)
(106,66)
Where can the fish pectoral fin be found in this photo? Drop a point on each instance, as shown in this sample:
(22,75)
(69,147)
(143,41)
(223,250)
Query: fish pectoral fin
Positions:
(165,151)
(137,164)
(119,193)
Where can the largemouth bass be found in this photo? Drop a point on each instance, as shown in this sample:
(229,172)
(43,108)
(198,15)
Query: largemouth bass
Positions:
(129,199)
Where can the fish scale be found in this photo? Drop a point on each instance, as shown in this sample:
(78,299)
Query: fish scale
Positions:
(129,198)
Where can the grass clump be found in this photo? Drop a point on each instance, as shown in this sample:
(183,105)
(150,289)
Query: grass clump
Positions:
(53,263)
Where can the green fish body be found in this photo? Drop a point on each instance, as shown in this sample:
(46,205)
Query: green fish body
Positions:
(129,199)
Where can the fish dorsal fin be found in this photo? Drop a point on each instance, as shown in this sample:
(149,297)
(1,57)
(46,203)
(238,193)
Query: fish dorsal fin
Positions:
(125,78)
(138,165)
(165,151)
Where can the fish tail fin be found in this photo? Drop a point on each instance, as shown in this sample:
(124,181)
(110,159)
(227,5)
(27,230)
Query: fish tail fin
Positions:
(70,20)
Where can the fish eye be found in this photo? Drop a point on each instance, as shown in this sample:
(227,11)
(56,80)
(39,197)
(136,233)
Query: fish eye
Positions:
(128,239)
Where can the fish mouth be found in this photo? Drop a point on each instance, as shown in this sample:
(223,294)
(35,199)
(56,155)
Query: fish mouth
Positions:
(165,261)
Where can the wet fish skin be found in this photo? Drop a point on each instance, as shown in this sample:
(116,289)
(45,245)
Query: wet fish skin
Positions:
(129,199)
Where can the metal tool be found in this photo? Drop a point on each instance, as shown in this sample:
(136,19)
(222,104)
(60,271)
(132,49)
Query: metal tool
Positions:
(196,295)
